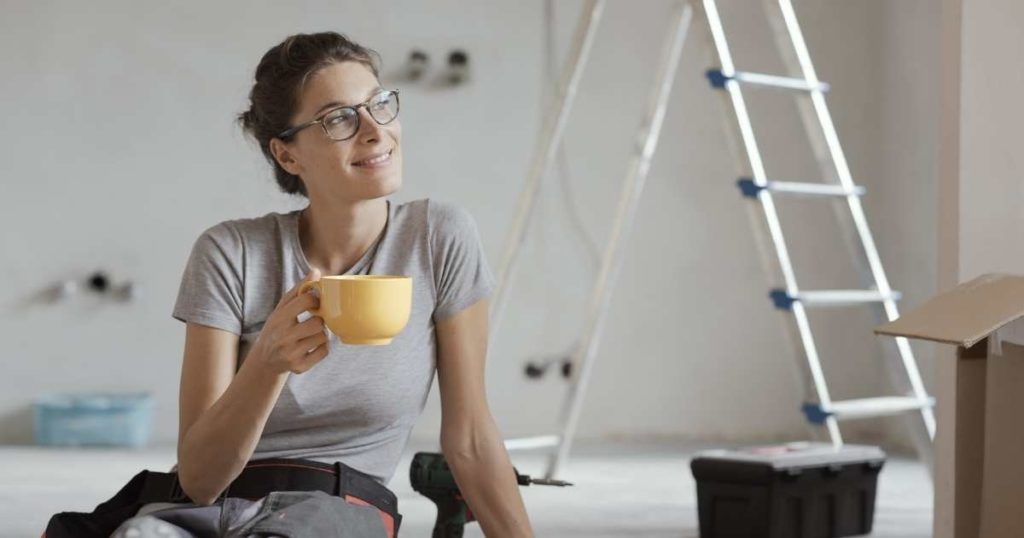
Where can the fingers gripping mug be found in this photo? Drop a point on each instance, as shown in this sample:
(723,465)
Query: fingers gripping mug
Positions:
(363,309)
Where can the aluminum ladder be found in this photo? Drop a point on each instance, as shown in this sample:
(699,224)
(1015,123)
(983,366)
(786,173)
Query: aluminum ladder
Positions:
(758,187)
(762,190)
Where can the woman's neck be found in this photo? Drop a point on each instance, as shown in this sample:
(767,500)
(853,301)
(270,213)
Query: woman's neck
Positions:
(335,237)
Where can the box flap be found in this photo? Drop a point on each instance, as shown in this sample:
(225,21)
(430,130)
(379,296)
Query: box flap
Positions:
(966,314)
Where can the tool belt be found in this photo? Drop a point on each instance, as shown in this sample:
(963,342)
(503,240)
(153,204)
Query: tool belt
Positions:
(257,479)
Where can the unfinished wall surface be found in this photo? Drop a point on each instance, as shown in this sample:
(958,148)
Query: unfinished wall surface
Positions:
(125,150)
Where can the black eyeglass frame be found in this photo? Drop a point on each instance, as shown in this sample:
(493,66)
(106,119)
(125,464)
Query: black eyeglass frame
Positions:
(291,131)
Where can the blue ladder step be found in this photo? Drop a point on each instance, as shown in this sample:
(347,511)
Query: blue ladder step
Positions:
(719,79)
(864,408)
(830,298)
(751,189)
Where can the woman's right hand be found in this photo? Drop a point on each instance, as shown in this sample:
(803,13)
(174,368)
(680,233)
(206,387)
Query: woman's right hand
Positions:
(285,345)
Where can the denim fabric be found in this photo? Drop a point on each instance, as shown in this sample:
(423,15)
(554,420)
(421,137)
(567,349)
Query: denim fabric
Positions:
(286,514)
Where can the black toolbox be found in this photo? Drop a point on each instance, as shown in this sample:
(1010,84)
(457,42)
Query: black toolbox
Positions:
(805,490)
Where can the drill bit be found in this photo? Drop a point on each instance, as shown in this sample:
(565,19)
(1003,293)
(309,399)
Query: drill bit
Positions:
(525,480)
(549,482)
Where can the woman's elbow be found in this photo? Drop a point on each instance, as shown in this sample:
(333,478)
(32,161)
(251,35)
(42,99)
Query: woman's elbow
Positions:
(198,493)
(191,483)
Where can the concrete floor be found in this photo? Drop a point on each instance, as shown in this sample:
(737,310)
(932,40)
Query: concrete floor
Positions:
(622,489)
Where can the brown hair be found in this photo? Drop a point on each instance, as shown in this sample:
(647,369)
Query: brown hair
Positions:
(280,77)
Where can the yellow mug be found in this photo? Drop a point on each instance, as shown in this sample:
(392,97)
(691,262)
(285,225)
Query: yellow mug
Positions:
(363,309)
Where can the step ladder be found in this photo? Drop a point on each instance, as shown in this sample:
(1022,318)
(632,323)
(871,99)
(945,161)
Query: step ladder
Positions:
(758,187)
(837,185)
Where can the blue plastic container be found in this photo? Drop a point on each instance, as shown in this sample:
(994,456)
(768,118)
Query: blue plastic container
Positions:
(93,419)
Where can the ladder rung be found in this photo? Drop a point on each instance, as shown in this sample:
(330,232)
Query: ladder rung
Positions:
(751,189)
(826,298)
(718,80)
(865,408)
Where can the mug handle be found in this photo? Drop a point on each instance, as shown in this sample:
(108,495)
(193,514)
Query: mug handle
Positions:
(308,285)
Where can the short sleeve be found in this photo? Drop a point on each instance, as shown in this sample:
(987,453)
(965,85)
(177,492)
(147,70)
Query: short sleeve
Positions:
(211,284)
(461,274)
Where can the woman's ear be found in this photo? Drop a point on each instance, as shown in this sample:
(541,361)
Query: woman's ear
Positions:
(285,156)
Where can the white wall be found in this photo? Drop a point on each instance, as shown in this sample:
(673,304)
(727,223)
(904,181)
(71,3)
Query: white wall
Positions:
(991,184)
(903,204)
(981,186)
(124,150)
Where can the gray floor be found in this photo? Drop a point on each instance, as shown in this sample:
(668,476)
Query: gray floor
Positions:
(622,489)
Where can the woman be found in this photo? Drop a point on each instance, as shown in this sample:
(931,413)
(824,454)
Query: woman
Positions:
(259,383)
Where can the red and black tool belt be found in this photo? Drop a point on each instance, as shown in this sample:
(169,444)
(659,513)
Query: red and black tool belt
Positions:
(257,479)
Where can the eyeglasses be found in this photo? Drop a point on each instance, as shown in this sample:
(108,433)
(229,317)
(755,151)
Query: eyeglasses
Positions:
(342,123)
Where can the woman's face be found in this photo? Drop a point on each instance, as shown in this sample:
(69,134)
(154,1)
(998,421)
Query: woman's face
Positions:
(347,170)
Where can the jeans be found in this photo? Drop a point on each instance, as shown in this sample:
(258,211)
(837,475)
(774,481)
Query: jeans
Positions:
(287,514)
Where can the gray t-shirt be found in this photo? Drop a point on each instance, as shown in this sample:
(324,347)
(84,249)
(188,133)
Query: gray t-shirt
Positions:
(359,404)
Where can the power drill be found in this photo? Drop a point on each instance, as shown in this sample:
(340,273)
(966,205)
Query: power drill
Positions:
(431,476)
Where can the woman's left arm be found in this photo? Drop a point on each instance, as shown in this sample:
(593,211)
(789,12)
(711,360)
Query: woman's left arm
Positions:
(470,439)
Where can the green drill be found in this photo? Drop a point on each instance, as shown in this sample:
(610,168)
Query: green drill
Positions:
(431,476)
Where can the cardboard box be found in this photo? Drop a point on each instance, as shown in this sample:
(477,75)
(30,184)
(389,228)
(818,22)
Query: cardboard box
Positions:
(983,318)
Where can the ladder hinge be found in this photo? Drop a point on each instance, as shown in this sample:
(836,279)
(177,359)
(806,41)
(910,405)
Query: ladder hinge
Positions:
(815,414)
(716,78)
(749,188)
(782,300)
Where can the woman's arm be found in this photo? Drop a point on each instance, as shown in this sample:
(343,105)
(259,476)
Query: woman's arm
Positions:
(470,439)
(222,418)
(222,414)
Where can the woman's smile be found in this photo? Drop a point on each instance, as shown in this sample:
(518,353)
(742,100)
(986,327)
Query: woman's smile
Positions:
(378,160)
